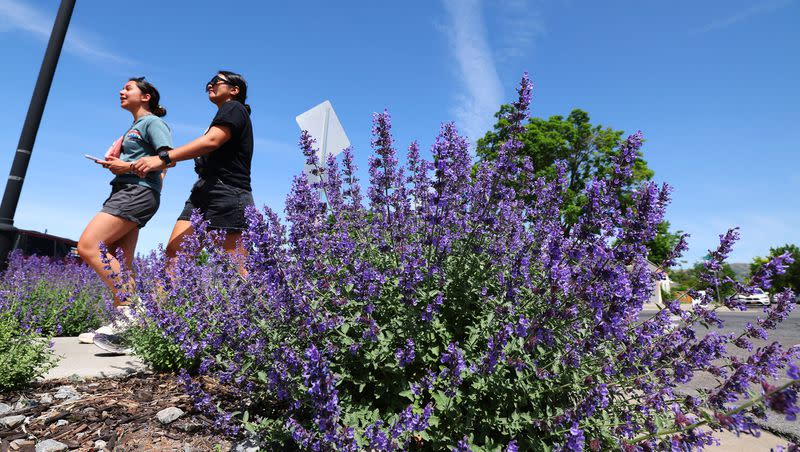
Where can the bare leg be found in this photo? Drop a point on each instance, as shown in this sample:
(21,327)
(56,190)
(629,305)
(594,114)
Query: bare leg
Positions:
(235,250)
(110,230)
(127,244)
(183,228)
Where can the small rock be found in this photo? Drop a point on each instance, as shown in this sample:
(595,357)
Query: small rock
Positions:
(104,415)
(23,403)
(46,399)
(4,408)
(248,445)
(67,392)
(168,415)
(51,445)
(61,422)
(10,422)
(99,444)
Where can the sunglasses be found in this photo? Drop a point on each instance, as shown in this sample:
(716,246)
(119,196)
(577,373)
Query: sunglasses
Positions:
(217,80)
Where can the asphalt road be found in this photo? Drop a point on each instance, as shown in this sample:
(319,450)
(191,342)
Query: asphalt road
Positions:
(787,333)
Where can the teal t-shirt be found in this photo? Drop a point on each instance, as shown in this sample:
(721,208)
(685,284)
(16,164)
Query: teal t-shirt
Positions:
(144,138)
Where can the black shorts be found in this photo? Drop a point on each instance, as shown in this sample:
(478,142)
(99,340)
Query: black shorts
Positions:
(132,202)
(220,204)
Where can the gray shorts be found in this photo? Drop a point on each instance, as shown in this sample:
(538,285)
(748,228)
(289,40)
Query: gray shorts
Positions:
(132,202)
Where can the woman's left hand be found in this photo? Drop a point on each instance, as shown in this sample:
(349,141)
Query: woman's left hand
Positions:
(148,164)
(116,165)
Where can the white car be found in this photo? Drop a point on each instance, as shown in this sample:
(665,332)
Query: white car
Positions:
(757,297)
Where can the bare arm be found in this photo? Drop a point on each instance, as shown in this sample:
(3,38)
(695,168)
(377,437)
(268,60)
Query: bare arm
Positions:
(215,137)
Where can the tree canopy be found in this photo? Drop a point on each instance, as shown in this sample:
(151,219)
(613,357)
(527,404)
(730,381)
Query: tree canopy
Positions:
(788,280)
(587,150)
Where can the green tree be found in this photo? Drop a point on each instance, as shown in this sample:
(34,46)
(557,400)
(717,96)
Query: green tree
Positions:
(663,243)
(788,280)
(587,150)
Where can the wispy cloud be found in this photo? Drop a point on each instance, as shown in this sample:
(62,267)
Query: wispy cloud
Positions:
(476,67)
(738,16)
(16,16)
(521,23)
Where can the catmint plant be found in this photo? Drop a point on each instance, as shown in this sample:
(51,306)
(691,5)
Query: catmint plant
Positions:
(448,306)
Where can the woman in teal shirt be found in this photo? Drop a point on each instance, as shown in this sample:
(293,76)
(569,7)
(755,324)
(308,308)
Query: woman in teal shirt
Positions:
(133,200)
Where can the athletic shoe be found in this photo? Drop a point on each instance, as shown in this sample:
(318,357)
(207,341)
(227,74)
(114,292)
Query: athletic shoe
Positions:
(122,323)
(113,343)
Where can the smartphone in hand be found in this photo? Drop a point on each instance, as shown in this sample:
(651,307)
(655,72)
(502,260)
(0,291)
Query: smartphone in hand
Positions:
(96,159)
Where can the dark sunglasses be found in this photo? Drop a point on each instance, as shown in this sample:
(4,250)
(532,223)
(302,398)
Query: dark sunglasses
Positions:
(216,81)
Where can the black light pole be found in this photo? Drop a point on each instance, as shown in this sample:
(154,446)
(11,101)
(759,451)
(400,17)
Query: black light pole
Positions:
(28,136)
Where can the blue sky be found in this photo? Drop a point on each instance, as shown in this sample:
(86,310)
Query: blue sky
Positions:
(713,85)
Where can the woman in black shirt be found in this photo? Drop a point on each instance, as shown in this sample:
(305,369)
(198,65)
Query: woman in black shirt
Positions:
(222,161)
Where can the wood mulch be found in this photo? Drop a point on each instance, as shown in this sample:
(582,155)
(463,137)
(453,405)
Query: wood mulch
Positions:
(121,412)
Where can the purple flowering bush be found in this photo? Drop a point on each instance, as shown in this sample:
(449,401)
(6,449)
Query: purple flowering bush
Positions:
(54,297)
(451,307)
(41,297)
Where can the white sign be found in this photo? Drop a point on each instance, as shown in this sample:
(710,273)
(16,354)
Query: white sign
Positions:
(323,125)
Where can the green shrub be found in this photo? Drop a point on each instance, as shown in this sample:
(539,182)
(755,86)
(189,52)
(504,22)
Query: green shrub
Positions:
(24,355)
(158,351)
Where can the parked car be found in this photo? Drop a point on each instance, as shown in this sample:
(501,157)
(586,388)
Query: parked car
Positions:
(757,297)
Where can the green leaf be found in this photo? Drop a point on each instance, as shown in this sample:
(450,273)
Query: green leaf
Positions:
(407,394)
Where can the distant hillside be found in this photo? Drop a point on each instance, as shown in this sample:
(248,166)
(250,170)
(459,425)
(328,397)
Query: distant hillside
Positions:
(742,270)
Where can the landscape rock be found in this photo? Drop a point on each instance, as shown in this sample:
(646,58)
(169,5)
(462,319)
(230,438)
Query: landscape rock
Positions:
(46,399)
(10,422)
(51,445)
(168,415)
(248,445)
(99,444)
(23,403)
(4,408)
(61,422)
(67,392)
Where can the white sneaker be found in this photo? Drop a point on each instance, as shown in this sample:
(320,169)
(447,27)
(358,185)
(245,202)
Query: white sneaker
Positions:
(86,338)
(119,325)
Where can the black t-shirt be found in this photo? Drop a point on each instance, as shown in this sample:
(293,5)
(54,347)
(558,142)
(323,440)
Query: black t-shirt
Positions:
(230,163)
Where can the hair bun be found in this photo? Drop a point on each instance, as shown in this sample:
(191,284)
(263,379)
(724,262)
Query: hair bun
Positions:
(160,111)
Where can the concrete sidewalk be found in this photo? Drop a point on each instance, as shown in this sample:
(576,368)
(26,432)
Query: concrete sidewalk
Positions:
(89,361)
